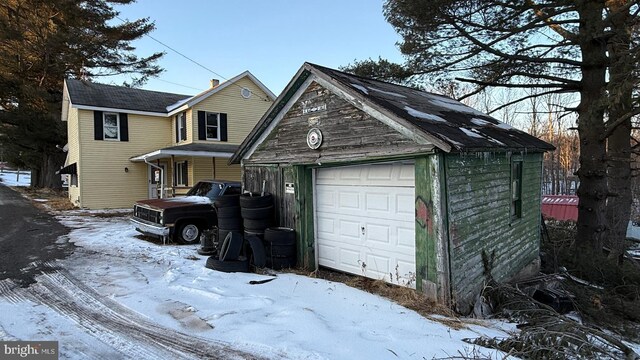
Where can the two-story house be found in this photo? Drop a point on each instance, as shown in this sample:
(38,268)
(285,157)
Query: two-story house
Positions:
(128,144)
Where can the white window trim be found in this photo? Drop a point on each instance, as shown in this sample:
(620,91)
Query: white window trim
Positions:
(206,125)
(104,133)
(181,129)
(179,181)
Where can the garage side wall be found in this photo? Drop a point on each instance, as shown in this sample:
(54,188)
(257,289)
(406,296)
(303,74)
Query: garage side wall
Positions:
(478,206)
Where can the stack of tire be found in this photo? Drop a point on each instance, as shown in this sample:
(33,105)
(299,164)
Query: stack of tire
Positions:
(229,259)
(257,213)
(280,247)
(229,219)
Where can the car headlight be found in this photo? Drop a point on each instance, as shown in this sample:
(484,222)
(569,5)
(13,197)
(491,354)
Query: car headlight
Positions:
(161,218)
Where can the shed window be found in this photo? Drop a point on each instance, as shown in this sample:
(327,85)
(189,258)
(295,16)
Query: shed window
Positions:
(213,126)
(111,126)
(516,189)
(181,173)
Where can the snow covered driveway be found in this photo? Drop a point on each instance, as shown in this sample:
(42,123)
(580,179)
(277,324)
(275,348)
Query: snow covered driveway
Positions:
(119,296)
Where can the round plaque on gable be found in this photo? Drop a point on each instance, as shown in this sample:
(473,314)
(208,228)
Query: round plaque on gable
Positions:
(314,138)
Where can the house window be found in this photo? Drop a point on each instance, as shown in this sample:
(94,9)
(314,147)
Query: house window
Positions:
(182,126)
(213,126)
(182,169)
(111,126)
(516,189)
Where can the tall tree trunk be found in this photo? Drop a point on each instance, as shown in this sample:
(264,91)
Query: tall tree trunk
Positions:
(619,142)
(592,173)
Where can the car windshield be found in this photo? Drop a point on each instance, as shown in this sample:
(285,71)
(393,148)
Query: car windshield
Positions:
(208,189)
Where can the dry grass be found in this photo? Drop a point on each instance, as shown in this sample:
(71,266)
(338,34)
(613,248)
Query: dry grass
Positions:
(409,298)
(57,200)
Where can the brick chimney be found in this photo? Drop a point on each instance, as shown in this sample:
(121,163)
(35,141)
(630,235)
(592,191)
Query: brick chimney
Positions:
(214,83)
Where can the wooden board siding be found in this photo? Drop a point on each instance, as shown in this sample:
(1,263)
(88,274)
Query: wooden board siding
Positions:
(432,253)
(242,114)
(287,205)
(478,190)
(103,181)
(348,133)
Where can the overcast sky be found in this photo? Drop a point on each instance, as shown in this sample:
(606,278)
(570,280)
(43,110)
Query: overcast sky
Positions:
(272,39)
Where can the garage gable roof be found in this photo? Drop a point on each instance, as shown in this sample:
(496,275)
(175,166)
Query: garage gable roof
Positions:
(448,124)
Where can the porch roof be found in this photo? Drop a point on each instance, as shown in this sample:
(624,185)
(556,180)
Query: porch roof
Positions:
(194,150)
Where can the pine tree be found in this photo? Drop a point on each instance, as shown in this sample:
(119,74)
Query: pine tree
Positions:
(41,43)
(583,47)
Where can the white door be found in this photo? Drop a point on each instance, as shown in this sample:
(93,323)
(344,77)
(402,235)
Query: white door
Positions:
(154,180)
(365,221)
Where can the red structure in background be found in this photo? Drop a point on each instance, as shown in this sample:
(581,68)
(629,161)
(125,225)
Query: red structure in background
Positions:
(560,207)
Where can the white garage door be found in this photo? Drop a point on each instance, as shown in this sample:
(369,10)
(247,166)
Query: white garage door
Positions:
(365,221)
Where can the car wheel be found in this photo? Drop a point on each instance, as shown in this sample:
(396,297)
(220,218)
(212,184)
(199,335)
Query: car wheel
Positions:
(188,233)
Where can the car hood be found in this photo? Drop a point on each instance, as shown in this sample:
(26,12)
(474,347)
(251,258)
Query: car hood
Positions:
(176,202)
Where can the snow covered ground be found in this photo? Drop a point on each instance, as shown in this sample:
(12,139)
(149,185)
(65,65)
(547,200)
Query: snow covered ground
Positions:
(12,178)
(291,317)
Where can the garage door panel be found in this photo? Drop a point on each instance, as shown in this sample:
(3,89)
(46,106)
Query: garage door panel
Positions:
(327,255)
(348,201)
(349,230)
(378,233)
(378,198)
(378,266)
(326,226)
(405,237)
(376,201)
(405,205)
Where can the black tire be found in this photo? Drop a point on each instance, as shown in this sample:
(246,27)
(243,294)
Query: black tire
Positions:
(259,234)
(239,265)
(187,233)
(280,236)
(256,225)
(257,213)
(223,201)
(230,223)
(280,250)
(252,201)
(231,247)
(222,234)
(281,263)
(258,257)
(228,212)
(207,252)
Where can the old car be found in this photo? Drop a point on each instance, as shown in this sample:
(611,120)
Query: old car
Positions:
(182,218)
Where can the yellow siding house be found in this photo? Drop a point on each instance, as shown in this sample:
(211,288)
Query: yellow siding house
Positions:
(128,144)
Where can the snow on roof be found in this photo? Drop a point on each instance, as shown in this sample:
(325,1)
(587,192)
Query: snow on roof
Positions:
(470,132)
(423,115)
(361,88)
(387,92)
(438,115)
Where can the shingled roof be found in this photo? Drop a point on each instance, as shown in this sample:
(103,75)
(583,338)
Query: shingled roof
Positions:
(452,125)
(120,97)
(461,126)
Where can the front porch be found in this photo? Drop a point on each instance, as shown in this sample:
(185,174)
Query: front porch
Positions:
(172,171)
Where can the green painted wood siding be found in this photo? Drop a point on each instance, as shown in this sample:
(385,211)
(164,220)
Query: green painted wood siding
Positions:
(478,203)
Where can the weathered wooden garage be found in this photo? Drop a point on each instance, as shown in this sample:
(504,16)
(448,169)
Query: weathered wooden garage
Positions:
(394,183)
